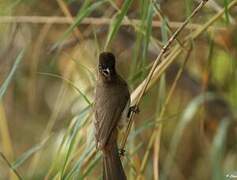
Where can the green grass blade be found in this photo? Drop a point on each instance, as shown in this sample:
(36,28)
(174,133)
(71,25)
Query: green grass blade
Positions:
(13,5)
(143,37)
(61,157)
(7,81)
(217,150)
(164,30)
(227,18)
(84,12)
(10,166)
(26,155)
(186,118)
(88,72)
(72,143)
(92,164)
(76,169)
(189,6)
(148,30)
(71,84)
(114,27)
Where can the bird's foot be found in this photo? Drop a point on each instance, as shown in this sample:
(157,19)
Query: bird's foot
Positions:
(122,152)
(134,109)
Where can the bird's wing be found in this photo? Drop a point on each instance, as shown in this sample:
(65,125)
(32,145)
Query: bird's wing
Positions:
(107,116)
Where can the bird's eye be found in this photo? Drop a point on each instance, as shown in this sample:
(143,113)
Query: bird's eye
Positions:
(104,67)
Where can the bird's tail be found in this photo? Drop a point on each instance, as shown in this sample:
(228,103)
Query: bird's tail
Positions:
(112,165)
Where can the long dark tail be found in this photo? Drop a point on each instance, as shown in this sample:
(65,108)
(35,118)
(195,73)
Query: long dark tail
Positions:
(112,165)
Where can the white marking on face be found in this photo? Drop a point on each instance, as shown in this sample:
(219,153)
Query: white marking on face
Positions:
(106,72)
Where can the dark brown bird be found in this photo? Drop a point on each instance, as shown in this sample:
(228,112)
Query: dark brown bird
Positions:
(112,100)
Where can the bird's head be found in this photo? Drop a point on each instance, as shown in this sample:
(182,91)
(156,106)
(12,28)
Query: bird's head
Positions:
(107,66)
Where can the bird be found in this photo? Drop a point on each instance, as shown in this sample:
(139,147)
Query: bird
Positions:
(111,109)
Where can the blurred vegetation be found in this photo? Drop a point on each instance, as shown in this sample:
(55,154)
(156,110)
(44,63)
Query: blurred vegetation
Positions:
(187,126)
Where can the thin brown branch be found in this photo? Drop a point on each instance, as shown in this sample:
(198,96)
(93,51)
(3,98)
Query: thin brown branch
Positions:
(162,17)
(157,61)
(215,6)
(10,166)
(87,20)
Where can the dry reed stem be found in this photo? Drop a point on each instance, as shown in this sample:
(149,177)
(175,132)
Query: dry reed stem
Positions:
(215,6)
(154,67)
(87,20)
(176,51)
(162,17)
(68,14)
(6,143)
(7,147)
(10,166)
(162,113)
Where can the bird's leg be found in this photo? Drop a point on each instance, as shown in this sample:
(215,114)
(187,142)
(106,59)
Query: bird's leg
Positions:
(131,109)
(134,109)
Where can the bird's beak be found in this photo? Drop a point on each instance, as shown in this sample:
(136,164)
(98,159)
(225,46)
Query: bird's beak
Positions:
(106,72)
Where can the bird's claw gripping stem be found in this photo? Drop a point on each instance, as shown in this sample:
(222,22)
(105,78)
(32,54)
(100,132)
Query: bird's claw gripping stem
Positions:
(134,109)
(122,152)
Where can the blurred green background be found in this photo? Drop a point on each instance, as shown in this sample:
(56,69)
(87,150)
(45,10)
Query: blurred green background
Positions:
(187,126)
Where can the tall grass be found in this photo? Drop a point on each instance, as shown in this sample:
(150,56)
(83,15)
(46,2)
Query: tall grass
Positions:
(7,149)
(171,101)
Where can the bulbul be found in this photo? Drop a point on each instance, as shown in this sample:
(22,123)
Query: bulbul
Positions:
(111,106)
